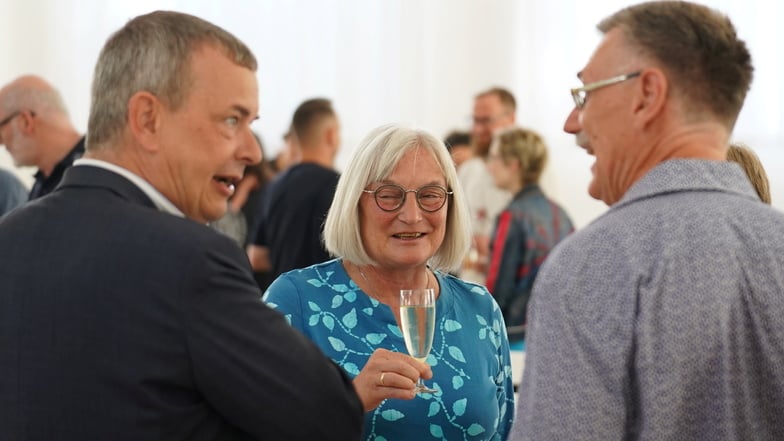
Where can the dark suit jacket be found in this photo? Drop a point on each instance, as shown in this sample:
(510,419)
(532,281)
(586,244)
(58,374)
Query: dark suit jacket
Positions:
(120,322)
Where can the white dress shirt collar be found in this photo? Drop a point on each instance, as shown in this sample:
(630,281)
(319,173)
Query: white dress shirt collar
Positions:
(157,198)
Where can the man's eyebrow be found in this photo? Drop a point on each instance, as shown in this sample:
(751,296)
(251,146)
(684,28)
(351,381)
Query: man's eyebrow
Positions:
(243,110)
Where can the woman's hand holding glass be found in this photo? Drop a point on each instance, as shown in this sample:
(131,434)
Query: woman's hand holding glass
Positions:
(389,374)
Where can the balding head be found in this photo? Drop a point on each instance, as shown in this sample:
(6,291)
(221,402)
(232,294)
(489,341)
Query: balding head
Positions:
(31,92)
(36,129)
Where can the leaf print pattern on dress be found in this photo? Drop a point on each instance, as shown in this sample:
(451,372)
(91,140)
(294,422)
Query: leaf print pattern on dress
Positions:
(350,326)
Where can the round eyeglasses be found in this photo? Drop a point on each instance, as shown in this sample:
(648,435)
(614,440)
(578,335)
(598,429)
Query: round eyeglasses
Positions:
(391,197)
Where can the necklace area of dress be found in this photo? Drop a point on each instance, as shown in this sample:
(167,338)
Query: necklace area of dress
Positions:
(362,273)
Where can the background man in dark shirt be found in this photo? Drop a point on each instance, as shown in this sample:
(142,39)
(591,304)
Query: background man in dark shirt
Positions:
(37,131)
(296,205)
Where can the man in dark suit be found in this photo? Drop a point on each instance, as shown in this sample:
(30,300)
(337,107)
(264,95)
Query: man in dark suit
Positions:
(124,317)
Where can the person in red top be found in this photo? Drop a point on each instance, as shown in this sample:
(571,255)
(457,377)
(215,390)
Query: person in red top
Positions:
(527,229)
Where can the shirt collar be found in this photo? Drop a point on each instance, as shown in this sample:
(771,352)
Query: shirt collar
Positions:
(676,175)
(160,201)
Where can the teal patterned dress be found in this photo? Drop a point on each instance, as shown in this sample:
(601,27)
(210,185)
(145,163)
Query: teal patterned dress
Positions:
(469,359)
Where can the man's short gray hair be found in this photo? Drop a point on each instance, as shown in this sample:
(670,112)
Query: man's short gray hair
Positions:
(151,53)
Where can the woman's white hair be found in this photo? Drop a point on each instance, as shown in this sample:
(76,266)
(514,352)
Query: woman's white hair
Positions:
(373,161)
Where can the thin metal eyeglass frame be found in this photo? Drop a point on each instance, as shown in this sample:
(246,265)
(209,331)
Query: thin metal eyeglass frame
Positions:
(402,202)
(579,93)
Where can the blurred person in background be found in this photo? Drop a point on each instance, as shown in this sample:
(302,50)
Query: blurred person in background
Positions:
(459,145)
(265,172)
(494,109)
(527,229)
(12,192)
(245,202)
(752,166)
(291,219)
(37,131)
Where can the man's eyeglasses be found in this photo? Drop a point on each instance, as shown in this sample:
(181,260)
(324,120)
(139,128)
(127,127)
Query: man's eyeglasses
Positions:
(579,94)
(8,118)
(391,197)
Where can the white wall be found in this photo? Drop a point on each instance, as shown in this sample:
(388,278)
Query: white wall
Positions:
(415,61)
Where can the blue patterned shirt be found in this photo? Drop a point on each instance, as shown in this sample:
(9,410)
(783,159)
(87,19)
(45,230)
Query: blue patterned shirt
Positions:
(663,319)
(469,359)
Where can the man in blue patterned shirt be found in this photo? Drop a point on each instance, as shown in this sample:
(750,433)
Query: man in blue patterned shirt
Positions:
(664,318)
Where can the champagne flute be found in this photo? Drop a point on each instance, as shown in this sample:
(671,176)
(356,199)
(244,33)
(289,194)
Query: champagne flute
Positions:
(418,319)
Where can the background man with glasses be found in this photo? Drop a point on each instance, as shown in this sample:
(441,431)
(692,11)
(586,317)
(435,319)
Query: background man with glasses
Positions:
(37,131)
(494,109)
(663,319)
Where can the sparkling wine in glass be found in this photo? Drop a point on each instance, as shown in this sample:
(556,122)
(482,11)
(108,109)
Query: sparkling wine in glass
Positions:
(417,320)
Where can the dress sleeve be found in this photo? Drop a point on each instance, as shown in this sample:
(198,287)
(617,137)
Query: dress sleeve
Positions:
(283,296)
(254,368)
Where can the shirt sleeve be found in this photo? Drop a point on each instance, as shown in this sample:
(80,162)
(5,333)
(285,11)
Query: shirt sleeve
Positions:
(283,297)
(507,248)
(254,368)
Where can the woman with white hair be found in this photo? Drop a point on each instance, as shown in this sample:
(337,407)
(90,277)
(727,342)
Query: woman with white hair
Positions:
(399,220)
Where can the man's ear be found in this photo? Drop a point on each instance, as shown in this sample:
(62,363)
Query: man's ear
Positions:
(332,135)
(27,119)
(144,119)
(651,95)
